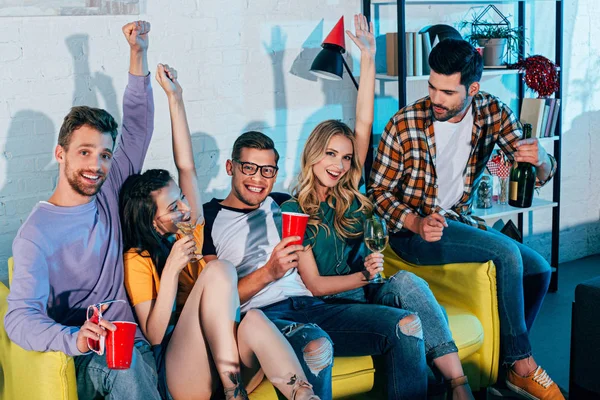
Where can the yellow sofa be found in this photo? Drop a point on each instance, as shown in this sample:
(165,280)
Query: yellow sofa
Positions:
(467,291)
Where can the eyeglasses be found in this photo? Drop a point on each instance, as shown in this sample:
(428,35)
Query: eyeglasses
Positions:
(94,314)
(248,168)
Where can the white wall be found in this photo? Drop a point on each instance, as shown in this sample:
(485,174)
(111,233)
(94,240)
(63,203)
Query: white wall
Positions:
(235,61)
(243,65)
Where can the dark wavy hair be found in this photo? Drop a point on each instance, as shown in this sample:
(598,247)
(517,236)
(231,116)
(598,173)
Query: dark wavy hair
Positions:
(137,209)
(96,118)
(453,55)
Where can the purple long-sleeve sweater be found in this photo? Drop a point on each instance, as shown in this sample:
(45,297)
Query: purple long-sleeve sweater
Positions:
(66,258)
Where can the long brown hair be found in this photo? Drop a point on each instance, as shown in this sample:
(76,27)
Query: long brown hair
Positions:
(344,192)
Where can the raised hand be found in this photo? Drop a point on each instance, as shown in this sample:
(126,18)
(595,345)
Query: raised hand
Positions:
(364,38)
(166,76)
(136,34)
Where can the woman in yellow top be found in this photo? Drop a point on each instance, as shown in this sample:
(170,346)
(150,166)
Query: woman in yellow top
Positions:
(199,346)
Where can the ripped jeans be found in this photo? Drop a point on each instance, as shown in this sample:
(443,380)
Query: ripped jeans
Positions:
(355,330)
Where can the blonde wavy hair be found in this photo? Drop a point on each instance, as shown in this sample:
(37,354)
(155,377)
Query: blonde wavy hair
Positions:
(344,192)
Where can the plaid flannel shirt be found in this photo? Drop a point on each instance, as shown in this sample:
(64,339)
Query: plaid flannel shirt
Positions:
(403,179)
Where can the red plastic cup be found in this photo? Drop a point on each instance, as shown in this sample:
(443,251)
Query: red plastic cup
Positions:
(119,345)
(294,224)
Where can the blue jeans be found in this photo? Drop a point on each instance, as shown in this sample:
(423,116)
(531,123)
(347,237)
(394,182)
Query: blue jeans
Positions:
(515,263)
(407,291)
(95,379)
(356,330)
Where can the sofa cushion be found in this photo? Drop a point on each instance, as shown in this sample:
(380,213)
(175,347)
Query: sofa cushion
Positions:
(467,331)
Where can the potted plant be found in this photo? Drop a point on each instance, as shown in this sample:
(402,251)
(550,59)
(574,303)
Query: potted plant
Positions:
(499,43)
(498,39)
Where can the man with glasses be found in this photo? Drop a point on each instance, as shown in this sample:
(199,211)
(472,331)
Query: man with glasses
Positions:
(244,229)
(69,253)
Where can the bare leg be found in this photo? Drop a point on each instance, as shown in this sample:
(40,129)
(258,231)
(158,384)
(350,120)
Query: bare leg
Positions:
(450,367)
(260,341)
(203,347)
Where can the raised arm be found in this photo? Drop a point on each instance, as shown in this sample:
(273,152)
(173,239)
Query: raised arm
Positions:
(138,109)
(181,139)
(365,41)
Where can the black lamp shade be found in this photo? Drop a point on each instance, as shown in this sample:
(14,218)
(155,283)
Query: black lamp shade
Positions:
(328,64)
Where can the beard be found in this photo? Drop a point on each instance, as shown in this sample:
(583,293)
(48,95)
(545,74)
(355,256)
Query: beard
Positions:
(450,112)
(79,185)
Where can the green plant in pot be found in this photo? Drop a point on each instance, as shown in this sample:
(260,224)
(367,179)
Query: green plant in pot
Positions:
(499,43)
(499,40)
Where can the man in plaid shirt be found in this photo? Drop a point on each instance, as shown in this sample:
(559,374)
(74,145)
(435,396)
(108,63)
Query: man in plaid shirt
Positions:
(431,156)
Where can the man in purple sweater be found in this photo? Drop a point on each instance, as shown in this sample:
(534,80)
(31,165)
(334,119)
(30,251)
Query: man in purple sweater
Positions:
(69,253)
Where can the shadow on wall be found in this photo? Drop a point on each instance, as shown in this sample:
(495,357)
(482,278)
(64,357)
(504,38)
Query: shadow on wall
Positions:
(31,173)
(206,158)
(339,103)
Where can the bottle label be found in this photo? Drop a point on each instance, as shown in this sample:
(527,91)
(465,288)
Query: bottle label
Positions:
(514,188)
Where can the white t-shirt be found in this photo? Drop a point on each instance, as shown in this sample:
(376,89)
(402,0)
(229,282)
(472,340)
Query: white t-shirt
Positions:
(247,238)
(453,148)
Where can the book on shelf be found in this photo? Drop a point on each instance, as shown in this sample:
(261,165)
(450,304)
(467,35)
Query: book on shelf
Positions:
(554,118)
(410,59)
(418,47)
(418,53)
(542,114)
(532,112)
(391,54)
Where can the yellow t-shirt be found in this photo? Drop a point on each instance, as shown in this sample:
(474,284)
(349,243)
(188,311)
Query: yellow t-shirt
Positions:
(142,281)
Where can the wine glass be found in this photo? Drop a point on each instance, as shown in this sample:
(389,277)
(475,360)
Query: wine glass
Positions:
(376,238)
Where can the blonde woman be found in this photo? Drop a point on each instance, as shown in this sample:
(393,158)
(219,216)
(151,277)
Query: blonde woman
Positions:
(335,264)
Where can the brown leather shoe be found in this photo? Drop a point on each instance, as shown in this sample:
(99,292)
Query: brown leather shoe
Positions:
(536,386)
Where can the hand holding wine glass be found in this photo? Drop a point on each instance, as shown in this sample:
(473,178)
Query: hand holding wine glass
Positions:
(376,239)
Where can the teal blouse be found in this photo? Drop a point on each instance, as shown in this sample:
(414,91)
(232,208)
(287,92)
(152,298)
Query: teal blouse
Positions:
(334,255)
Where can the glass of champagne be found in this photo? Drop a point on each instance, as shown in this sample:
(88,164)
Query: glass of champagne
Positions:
(376,239)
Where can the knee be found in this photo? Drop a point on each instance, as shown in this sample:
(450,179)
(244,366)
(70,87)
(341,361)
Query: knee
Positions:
(410,326)
(220,271)
(253,323)
(407,281)
(318,354)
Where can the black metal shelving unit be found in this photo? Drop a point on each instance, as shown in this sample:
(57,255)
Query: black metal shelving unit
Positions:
(402,89)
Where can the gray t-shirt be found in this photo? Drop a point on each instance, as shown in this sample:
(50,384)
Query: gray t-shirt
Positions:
(67,258)
(247,238)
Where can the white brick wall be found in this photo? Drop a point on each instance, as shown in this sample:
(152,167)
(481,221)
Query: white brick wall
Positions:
(232,83)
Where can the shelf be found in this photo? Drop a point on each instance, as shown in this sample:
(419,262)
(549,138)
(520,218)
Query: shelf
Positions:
(393,2)
(486,72)
(503,210)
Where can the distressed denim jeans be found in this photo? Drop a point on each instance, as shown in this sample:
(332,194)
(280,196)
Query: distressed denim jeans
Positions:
(516,266)
(356,330)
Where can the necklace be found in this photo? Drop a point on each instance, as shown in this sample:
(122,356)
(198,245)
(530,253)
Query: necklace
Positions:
(338,257)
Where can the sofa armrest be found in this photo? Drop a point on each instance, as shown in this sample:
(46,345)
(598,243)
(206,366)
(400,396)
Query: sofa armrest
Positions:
(470,286)
(31,374)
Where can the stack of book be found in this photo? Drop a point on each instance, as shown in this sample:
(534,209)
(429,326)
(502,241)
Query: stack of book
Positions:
(418,47)
(542,114)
